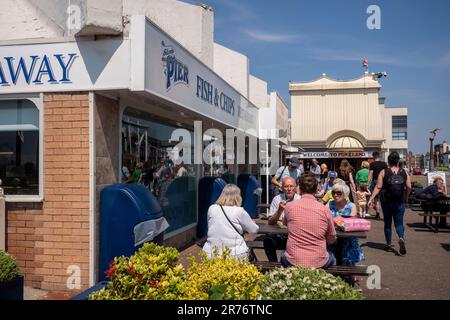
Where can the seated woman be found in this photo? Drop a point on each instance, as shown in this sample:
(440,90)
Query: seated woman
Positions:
(227,222)
(433,194)
(347,250)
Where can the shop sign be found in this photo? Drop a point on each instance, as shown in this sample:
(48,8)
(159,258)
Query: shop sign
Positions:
(177,72)
(65,66)
(34,68)
(337,154)
(163,67)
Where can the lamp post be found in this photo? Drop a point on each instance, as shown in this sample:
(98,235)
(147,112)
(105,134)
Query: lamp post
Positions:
(433,135)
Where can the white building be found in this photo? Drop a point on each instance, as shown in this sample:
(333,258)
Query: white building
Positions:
(90,87)
(336,119)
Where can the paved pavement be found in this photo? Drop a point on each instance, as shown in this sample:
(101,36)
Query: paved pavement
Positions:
(423,273)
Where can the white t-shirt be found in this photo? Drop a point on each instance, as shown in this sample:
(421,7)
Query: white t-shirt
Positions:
(276,204)
(221,234)
(182,172)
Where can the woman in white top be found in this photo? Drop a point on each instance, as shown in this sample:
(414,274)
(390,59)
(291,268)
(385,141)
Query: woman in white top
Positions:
(221,233)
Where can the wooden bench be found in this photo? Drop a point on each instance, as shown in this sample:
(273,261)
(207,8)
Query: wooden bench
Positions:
(429,224)
(334,270)
(346,273)
(254,245)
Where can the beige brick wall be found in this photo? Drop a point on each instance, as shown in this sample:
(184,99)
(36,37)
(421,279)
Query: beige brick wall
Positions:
(64,224)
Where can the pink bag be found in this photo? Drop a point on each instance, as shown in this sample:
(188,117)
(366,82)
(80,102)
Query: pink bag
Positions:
(351,224)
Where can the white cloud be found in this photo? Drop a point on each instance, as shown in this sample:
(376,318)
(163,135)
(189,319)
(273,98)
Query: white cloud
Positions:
(271,37)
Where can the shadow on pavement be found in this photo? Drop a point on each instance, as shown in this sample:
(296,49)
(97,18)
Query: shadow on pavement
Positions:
(382,247)
(445,246)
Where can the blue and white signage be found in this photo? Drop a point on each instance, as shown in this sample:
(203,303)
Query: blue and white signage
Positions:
(70,66)
(176,72)
(36,70)
(173,73)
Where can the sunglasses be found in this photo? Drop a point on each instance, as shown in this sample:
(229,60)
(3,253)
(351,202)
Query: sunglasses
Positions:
(338,193)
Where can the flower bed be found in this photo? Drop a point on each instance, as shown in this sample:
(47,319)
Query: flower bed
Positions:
(153,273)
(297,283)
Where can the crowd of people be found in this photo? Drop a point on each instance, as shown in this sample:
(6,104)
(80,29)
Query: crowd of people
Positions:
(307,204)
(155,179)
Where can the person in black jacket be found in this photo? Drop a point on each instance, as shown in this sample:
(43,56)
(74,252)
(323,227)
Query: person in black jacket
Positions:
(395,186)
(433,194)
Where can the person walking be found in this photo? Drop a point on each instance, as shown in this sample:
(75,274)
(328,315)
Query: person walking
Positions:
(395,186)
(374,170)
(315,169)
(347,173)
(294,170)
(362,179)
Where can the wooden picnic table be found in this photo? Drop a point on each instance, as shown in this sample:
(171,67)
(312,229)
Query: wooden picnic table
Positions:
(265,228)
(434,210)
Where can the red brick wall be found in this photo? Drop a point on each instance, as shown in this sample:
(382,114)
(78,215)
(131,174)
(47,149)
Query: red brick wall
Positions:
(22,221)
(65,227)
(49,240)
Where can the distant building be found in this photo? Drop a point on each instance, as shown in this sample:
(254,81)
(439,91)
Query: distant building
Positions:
(337,119)
(442,154)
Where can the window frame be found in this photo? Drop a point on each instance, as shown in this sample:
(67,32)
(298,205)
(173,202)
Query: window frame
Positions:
(38,100)
(399,128)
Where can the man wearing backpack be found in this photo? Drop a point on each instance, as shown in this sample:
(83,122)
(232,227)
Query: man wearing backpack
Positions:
(395,186)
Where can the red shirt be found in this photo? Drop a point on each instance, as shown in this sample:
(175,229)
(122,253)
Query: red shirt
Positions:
(310,228)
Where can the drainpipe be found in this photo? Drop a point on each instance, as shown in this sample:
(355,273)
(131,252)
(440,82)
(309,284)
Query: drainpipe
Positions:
(2,220)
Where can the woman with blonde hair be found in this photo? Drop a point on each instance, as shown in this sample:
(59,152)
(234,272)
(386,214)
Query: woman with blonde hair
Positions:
(227,222)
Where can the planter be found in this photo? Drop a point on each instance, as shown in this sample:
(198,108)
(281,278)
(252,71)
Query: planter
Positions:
(12,289)
(83,295)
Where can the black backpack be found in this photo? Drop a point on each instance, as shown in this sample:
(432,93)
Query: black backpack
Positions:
(395,185)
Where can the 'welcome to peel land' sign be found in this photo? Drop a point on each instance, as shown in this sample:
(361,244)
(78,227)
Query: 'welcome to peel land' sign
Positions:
(338,154)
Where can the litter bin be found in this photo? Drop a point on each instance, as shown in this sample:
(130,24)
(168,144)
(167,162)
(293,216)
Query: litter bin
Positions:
(129,216)
(249,192)
(209,190)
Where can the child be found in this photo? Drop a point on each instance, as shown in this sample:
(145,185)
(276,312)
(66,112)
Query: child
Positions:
(362,194)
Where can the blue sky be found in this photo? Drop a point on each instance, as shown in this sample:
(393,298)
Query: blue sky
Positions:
(299,40)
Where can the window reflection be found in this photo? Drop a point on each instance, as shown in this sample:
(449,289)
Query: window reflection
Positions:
(19,147)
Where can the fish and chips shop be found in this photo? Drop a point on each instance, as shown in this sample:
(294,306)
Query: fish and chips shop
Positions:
(80,115)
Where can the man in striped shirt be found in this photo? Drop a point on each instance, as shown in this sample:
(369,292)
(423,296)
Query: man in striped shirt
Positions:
(310,229)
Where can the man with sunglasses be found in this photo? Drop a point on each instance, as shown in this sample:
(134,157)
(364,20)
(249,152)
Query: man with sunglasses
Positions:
(276,215)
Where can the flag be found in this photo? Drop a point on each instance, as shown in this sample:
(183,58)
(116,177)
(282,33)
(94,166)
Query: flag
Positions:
(21,136)
(365,63)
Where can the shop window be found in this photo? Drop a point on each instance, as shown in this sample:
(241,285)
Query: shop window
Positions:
(146,160)
(19,147)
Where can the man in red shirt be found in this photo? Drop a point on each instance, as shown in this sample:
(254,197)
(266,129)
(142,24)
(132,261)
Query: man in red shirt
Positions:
(310,229)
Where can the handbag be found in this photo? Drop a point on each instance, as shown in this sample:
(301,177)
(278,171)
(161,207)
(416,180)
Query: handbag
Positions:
(251,254)
(351,224)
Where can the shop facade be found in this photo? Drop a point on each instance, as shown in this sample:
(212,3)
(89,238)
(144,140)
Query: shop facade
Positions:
(77,115)
(332,120)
